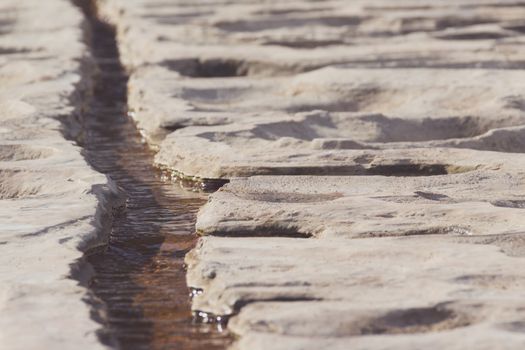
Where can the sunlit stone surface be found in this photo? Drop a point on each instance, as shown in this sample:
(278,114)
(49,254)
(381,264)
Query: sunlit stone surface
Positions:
(405,120)
(374,147)
(53,205)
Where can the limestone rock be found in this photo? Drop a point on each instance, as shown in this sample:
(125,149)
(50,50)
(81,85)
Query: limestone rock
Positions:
(352,109)
(203,64)
(472,203)
(53,206)
(415,110)
(370,293)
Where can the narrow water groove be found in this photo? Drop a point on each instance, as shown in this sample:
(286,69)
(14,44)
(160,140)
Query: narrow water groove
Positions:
(139,276)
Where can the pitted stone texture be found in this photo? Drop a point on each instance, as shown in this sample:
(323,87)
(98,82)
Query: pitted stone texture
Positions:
(217,63)
(374,293)
(53,205)
(238,88)
(479,202)
(480,338)
(290,156)
(376,108)
(353,109)
(309,34)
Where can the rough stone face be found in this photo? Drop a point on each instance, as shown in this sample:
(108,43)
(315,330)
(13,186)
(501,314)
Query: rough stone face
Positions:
(438,286)
(356,109)
(296,146)
(371,293)
(472,203)
(52,204)
(251,76)
(414,109)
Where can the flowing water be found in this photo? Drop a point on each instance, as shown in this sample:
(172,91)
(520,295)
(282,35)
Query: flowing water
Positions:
(140,276)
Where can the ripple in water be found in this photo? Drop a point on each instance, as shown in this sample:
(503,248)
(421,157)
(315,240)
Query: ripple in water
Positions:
(140,276)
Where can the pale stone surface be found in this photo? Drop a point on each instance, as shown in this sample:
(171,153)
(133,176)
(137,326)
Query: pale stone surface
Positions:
(166,44)
(53,205)
(321,143)
(441,286)
(358,109)
(449,76)
(371,293)
(480,202)
(429,93)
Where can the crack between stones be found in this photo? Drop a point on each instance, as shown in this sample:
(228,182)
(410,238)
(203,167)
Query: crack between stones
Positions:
(134,268)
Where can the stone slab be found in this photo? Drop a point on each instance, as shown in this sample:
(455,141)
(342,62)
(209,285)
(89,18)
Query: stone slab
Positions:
(344,110)
(474,203)
(167,46)
(371,293)
(418,103)
(53,206)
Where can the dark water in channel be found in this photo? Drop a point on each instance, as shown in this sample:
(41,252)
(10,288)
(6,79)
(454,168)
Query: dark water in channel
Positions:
(140,276)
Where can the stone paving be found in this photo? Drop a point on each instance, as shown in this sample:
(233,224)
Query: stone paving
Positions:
(373,149)
(402,123)
(53,206)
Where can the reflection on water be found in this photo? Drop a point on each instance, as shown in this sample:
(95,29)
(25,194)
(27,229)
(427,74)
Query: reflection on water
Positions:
(140,276)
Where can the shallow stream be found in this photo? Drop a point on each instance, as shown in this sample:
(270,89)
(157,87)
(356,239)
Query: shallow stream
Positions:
(140,275)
